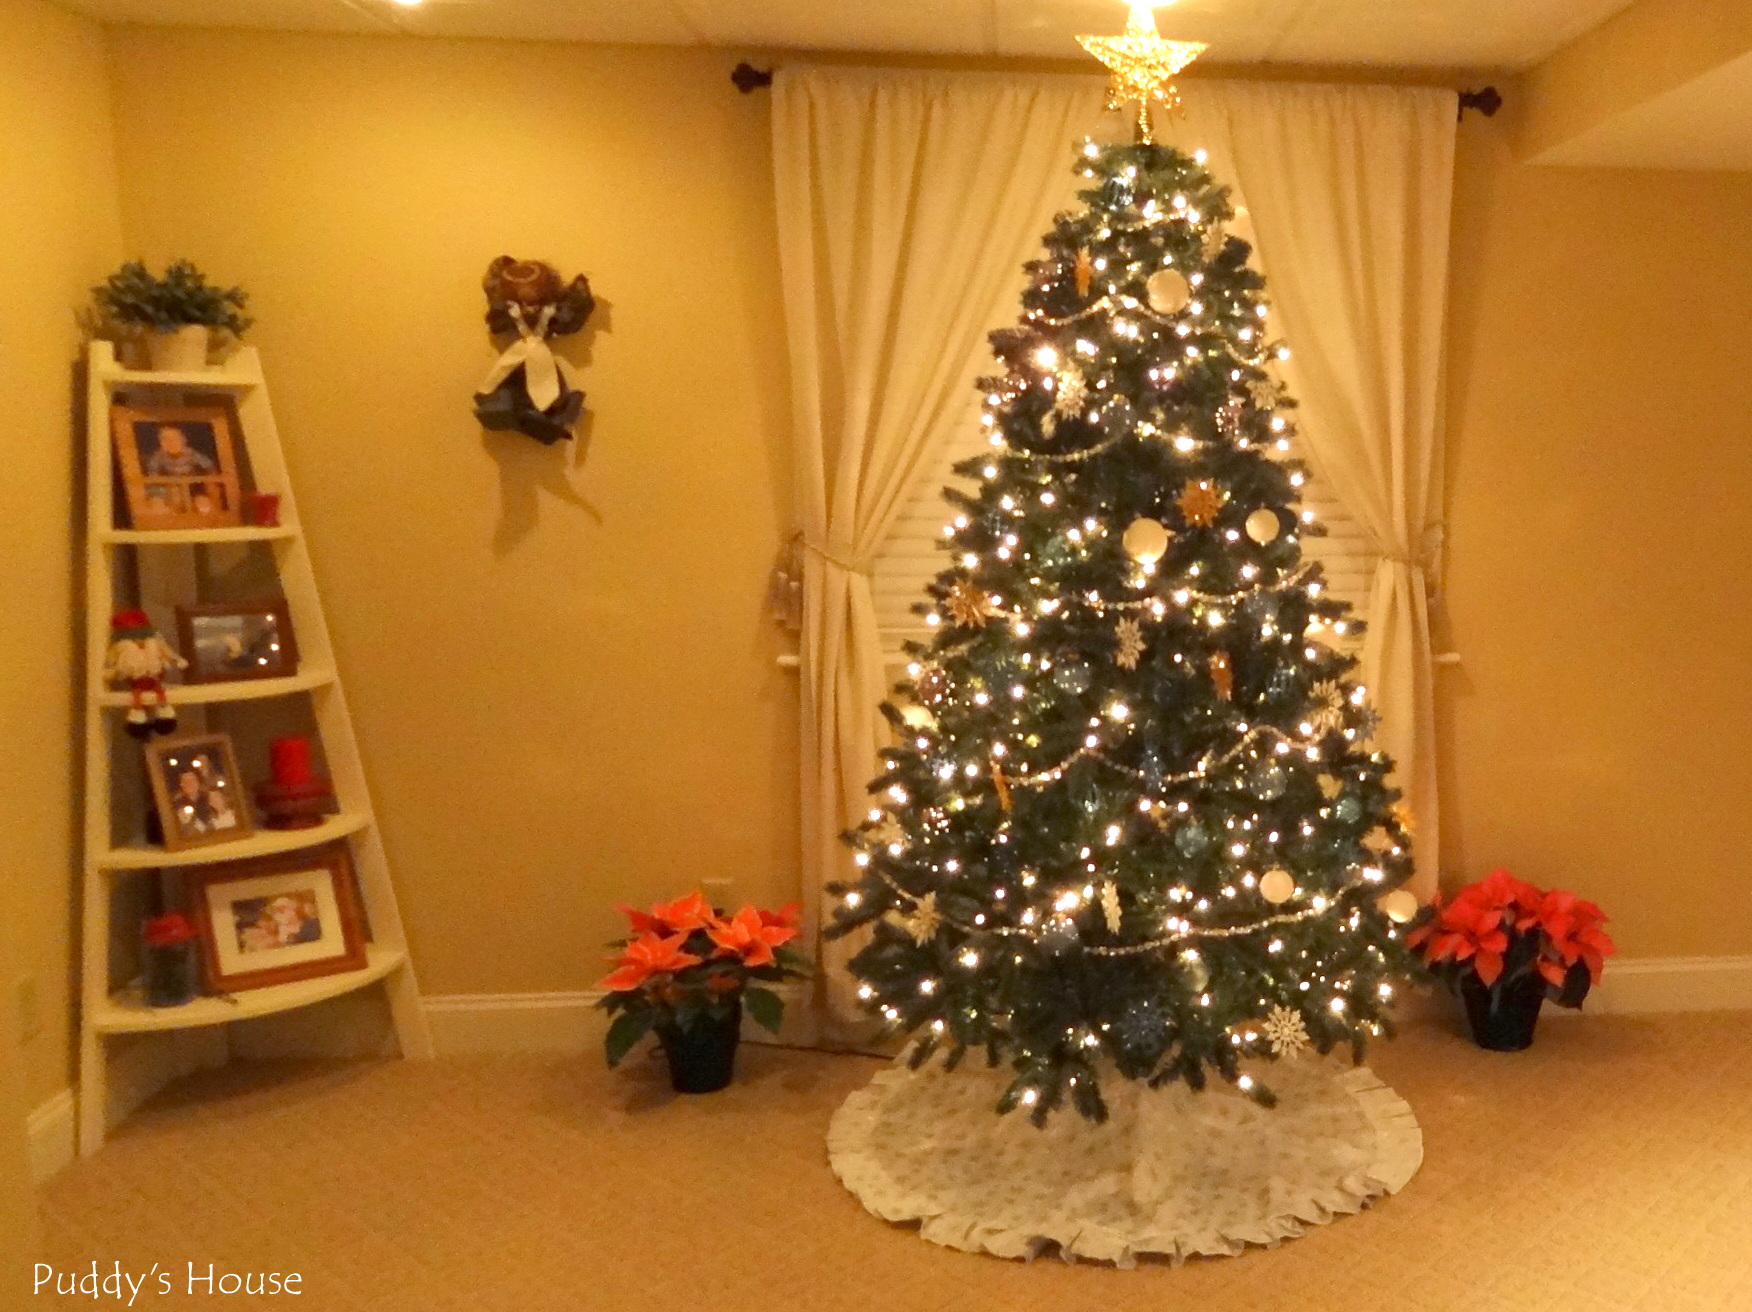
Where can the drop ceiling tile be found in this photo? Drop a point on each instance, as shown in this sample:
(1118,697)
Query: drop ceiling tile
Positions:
(635,22)
(1413,33)
(270,15)
(1451,33)
(934,26)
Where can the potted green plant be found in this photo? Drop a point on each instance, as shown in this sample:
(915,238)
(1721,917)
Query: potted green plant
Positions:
(686,974)
(178,313)
(1505,946)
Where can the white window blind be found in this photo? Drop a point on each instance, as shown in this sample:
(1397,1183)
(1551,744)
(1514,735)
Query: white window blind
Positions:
(1344,552)
(913,554)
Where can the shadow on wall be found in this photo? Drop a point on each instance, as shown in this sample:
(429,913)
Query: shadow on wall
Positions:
(527,468)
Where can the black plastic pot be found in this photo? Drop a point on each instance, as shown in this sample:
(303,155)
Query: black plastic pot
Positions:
(1503,1023)
(702,1058)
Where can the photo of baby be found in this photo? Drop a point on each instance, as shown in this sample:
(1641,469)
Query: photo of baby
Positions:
(178,465)
(180,450)
(265,923)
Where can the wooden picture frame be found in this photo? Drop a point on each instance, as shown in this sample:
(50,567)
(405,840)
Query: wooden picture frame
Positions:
(178,465)
(278,919)
(230,641)
(198,791)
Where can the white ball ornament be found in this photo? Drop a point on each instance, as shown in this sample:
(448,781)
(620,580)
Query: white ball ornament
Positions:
(1400,906)
(1277,886)
(1263,526)
(1169,292)
(917,716)
(1146,540)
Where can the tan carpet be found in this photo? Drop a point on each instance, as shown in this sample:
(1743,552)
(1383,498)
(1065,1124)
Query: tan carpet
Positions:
(1609,1168)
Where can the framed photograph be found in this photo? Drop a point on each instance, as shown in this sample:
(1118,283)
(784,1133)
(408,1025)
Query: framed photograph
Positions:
(178,465)
(199,794)
(278,919)
(228,641)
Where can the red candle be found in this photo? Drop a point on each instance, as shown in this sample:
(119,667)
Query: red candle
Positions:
(290,758)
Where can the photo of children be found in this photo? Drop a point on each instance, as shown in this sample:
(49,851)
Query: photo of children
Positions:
(278,919)
(265,923)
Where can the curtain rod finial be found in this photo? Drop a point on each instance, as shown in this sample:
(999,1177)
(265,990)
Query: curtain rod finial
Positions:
(748,78)
(1486,100)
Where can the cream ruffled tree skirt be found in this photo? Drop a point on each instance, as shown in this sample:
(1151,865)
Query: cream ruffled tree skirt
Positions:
(1172,1174)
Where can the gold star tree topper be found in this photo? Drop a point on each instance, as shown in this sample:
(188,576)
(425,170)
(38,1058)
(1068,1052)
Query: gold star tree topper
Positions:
(1143,65)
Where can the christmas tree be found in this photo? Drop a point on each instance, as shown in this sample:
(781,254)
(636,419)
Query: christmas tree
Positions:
(1132,824)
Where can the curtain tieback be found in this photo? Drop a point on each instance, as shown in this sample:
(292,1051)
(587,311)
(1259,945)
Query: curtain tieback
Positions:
(847,563)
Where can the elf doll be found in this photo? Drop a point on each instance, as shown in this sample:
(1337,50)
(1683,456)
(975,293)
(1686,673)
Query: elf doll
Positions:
(137,660)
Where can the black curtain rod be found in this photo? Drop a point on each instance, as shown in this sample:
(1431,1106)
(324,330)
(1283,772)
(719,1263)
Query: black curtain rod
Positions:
(1486,100)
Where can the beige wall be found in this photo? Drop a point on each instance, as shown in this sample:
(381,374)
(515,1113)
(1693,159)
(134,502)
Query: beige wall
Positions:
(558,660)
(1601,455)
(59,233)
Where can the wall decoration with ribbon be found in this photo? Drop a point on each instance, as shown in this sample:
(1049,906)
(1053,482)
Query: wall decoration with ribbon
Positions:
(527,390)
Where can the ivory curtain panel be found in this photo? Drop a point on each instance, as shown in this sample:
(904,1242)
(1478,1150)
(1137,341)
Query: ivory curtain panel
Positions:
(907,204)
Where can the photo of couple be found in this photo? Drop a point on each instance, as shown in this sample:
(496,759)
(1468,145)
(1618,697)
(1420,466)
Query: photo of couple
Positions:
(200,795)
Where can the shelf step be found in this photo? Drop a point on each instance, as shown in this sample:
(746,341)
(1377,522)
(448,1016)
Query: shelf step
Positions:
(220,379)
(126,1012)
(168,537)
(246,690)
(264,842)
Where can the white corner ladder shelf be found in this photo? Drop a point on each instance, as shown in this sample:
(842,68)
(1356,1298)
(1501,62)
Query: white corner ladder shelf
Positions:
(110,1009)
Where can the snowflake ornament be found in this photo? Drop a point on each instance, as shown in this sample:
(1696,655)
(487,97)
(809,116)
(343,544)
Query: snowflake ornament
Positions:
(1326,709)
(1286,1032)
(1069,392)
(886,831)
(1131,644)
(922,920)
(1263,392)
(1199,502)
(968,606)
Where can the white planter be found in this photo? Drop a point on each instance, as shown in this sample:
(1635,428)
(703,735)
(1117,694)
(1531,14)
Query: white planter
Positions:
(181,350)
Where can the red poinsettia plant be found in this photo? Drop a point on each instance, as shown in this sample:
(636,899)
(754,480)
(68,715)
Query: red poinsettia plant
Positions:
(1502,930)
(686,963)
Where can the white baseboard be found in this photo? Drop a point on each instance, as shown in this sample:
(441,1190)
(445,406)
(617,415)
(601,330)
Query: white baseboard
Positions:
(49,1131)
(1644,985)
(471,1024)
